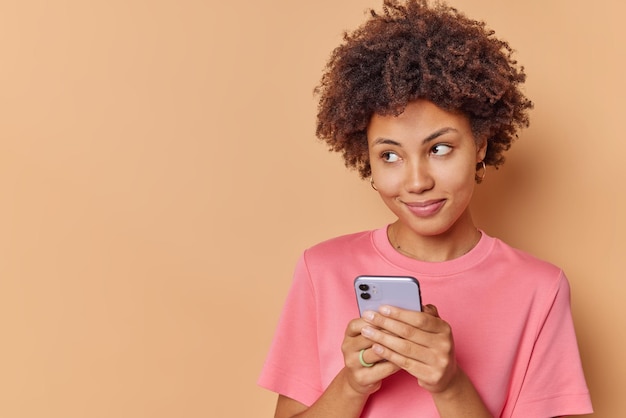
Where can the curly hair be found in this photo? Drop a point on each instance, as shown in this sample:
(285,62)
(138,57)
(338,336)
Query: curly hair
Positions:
(420,51)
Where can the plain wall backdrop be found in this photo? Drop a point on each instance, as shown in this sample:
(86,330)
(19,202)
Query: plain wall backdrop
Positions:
(159,177)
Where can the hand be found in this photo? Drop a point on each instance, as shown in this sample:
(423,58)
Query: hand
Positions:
(419,342)
(364,380)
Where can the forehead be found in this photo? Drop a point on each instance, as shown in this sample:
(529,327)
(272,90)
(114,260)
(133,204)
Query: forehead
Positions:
(420,117)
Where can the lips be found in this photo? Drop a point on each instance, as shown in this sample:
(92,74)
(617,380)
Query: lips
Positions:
(426,208)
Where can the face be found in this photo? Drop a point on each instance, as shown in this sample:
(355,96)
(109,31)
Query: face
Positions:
(423,165)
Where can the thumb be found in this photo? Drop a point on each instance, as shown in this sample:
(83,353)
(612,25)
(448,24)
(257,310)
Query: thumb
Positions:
(430,309)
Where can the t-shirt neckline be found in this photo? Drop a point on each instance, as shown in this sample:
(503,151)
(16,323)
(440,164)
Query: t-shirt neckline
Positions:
(442,268)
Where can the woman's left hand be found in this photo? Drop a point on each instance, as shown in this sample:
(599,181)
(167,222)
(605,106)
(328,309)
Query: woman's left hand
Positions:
(419,342)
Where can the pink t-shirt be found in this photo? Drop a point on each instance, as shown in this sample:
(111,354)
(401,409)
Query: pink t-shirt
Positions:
(509,313)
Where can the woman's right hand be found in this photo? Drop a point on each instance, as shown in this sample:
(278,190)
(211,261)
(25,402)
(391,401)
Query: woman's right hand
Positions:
(364,380)
(347,394)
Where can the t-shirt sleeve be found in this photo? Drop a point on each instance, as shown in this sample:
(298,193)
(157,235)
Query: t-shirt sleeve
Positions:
(554,384)
(292,366)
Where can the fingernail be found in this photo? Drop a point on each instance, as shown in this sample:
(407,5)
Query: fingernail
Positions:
(369,315)
(385,310)
(377,349)
(367,332)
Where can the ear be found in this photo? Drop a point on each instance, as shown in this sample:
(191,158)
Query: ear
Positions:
(481,149)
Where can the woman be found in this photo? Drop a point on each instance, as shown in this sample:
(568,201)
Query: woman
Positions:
(420,99)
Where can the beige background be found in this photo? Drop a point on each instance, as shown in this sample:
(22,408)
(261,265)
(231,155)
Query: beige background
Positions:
(159,177)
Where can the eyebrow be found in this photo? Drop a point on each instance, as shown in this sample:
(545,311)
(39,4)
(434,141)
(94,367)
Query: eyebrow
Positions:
(429,138)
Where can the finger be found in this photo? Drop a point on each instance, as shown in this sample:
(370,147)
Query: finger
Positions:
(415,366)
(433,377)
(378,369)
(367,379)
(417,347)
(367,356)
(431,309)
(395,320)
(429,376)
(354,327)
(354,341)
(366,375)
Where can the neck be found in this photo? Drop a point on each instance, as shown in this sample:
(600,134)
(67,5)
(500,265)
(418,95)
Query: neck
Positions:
(454,243)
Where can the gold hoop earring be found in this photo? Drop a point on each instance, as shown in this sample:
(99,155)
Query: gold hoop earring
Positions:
(483,167)
(372,184)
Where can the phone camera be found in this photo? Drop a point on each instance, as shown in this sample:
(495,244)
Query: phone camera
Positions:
(364,287)
(365,296)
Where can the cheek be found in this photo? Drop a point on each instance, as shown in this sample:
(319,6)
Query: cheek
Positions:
(464,185)
(388,182)
(460,180)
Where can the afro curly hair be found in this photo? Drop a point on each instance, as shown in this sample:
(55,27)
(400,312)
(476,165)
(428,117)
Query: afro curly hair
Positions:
(415,51)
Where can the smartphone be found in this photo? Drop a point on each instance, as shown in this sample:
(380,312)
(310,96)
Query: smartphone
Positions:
(400,291)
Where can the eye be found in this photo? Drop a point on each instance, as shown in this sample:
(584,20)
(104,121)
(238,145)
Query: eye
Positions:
(441,149)
(389,157)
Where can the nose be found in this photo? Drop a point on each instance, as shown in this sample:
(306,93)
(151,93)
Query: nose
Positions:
(418,178)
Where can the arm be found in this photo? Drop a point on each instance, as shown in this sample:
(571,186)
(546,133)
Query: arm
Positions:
(347,394)
(339,400)
(422,344)
(460,399)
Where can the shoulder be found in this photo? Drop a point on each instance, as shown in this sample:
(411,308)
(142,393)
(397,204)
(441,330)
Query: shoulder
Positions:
(340,245)
(521,262)
(340,251)
(528,283)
